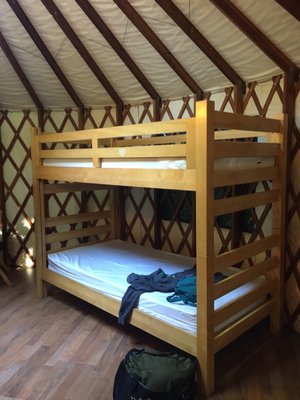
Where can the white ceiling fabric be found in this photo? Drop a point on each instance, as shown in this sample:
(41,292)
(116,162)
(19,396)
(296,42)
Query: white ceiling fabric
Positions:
(244,57)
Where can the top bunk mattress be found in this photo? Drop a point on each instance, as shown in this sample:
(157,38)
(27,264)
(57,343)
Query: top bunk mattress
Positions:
(86,163)
(104,267)
(230,163)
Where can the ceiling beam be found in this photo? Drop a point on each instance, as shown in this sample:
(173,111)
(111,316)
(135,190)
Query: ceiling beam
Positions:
(79,46)
(159,46)
(255,35)
(192,32)
(292,6)
(23,78)
(44,51)
(104,30)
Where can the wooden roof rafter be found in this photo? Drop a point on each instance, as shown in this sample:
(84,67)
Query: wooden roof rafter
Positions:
(256,36)
(119,49)
(79,46)
(203,44)
(291,6)
(159,46)
(15,6)
(19,71)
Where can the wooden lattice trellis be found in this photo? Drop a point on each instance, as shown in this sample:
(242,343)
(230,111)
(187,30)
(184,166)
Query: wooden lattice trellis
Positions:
(140,226)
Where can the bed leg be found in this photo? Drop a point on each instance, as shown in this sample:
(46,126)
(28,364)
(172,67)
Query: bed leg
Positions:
(41,288)
(276,319)
(206,376)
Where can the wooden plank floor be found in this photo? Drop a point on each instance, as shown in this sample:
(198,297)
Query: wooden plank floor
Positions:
(62,348)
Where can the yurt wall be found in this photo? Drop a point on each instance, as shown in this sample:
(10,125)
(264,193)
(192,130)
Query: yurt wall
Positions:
(261,98)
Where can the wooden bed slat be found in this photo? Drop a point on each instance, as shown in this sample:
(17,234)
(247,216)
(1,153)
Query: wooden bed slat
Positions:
(237,134)
(249,175)
(176,138)
(244,202)
(76,218)
(175,336)
(160,179)
(234,307)
(153,128)
(168,151)
(245,149)
(51,188)
(78,233)
(91,240)
(242,325)
(244,276)
(244,122)
(235,256)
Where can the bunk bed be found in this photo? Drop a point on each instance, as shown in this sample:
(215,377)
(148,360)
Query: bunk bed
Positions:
(185,154)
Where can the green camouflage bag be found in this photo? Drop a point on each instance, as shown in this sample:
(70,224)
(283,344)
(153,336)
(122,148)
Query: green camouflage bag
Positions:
(146,374)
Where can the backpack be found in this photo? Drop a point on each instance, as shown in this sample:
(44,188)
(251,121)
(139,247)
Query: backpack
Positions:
(147,374)
(185,291)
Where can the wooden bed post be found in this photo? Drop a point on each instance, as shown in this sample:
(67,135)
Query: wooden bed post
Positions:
(116,222)
(279,227)
(38,187)
(205,243)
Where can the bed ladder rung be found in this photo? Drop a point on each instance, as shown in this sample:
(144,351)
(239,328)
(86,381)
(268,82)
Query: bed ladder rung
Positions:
(245,175)
(235,256)
(77,218)
(228,120)
(244,202)
(244,276)
(239,304)
(230,333)
(79,233)
(50,188)
(245,149)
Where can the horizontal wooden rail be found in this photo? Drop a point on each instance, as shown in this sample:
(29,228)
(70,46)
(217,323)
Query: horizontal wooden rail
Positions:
(242,325)
(227,120)
(239,176)
(77,233)
(145,141)
(239,254)
(237,134)
(68,246)
(245,275)
(168,151)
(51,188)
(245,149)
(244,202)
(160,178)
(153,128)
(239,304)
(77,218)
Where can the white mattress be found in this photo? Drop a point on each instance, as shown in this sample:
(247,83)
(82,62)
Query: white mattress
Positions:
(231,163)
(87,163)
(104,267)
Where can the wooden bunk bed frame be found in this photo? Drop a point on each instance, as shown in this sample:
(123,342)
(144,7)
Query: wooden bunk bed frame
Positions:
(200,142)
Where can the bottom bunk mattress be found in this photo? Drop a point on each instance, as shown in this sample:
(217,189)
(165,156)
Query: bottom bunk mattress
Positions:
(104,267)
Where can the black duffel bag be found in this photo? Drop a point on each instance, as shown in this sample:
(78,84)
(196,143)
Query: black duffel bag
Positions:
(147,374)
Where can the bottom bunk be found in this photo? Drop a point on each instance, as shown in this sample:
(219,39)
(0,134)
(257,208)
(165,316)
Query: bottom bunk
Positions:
(105,267)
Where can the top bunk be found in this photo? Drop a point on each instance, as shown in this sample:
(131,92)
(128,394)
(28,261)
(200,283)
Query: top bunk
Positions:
(171,154)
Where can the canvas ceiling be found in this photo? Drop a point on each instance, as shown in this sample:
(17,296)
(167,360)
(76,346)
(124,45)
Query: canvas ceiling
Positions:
(242,55)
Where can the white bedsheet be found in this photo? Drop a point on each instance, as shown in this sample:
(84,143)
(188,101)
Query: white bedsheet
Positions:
(230,163)
(87,163)
(105,267)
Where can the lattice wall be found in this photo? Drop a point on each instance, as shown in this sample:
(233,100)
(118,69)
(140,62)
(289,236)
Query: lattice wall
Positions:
(260,99)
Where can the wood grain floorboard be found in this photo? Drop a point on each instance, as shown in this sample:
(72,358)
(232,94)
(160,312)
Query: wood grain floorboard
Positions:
(61,348)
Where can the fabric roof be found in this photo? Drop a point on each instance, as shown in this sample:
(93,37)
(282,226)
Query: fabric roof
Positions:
(282,28)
